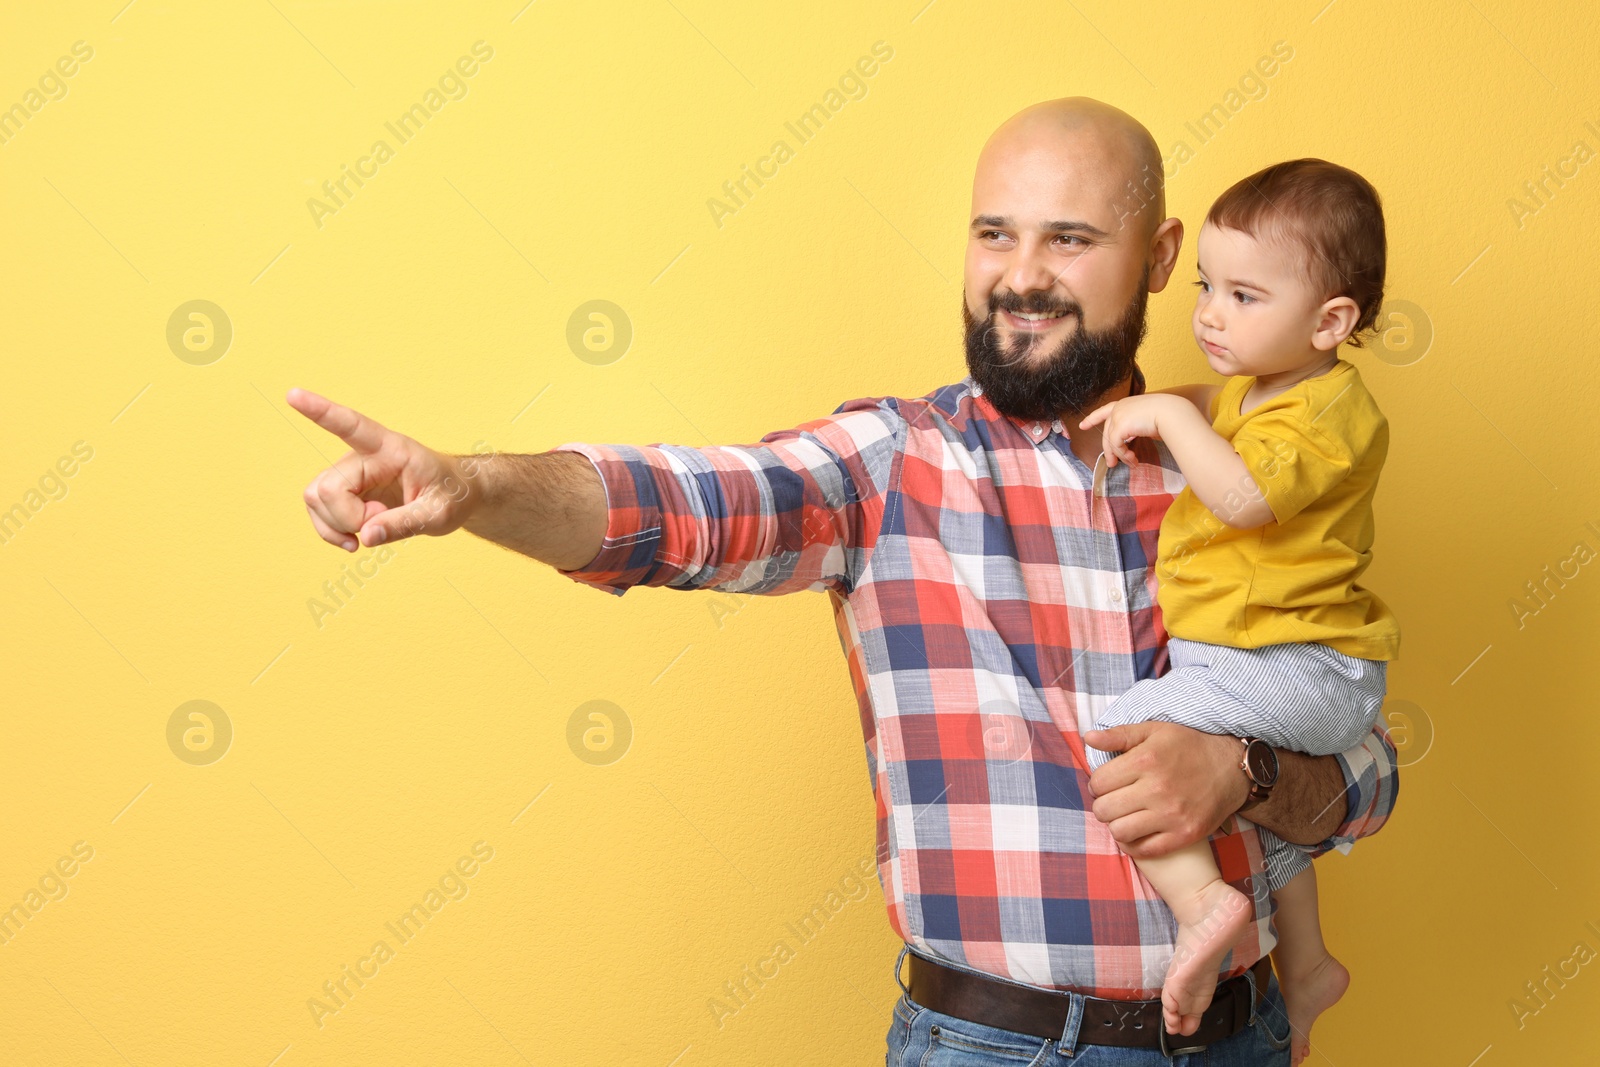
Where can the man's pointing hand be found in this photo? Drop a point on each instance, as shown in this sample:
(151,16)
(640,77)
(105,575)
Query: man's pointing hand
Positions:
(387,487)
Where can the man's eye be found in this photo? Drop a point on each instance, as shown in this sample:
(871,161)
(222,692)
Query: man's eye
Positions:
(1073,237)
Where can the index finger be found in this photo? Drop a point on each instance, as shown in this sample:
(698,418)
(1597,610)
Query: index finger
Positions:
(1095,416)
(359,432)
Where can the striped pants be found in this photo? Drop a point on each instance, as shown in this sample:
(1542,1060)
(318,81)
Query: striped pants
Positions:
(1306,697)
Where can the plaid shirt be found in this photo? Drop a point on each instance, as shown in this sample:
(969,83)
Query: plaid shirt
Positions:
(993,595)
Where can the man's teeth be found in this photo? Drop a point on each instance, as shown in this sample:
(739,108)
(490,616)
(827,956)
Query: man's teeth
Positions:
(1037,316)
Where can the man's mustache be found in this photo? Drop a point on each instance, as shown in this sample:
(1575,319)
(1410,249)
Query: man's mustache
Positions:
(1038,306)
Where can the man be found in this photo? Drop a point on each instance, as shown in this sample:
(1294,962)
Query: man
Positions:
(993,585)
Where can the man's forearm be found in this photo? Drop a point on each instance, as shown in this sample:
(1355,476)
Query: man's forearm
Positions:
(551,506)
(1308,802)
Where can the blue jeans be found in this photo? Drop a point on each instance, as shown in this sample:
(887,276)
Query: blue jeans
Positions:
(922,1037)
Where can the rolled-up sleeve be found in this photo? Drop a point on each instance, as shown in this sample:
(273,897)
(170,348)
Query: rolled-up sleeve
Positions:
(799,510)
(1371,785)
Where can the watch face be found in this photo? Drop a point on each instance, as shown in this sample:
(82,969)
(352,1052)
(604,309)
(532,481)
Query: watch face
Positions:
(1263,762)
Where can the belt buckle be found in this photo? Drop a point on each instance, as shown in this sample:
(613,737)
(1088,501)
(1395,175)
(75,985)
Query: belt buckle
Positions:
(1171,1052)
(1162,1034)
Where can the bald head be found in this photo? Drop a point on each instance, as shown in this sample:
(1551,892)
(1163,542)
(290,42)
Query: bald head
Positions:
(1079,136)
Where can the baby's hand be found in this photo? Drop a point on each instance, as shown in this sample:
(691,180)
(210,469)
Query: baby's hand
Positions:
(1125,419)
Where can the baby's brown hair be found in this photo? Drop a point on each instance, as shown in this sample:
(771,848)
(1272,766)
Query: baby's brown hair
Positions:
(1330,211)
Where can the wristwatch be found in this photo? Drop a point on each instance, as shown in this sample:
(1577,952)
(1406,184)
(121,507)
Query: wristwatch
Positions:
(1260,765)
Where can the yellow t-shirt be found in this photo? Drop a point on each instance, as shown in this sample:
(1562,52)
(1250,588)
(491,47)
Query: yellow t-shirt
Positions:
(1315,451)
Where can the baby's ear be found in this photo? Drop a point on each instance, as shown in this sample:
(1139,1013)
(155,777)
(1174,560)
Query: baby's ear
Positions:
(1336,321)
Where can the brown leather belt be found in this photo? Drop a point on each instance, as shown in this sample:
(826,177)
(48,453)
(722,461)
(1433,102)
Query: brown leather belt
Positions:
(1043,1013)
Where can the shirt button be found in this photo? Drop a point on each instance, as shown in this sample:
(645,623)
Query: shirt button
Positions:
(1116,595)
(1037,429)
(977,390)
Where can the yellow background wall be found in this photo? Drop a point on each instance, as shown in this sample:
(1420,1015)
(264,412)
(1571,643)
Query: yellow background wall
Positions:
(375,746)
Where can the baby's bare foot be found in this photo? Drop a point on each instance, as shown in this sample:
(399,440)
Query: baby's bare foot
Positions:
(1191,981)
(1307,994)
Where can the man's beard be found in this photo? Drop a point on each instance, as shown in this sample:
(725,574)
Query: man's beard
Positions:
(1070,379)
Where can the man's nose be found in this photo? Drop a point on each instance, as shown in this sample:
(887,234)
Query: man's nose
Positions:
(1031,271)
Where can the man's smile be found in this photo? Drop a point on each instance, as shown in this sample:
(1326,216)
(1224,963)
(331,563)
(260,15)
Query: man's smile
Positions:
(1033,321)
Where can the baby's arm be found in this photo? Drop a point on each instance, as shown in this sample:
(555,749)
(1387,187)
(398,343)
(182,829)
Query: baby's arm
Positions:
(1216,473)
(1198,395)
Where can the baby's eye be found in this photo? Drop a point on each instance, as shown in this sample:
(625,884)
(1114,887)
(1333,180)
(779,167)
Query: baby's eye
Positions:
(1244,298)
(1203,285)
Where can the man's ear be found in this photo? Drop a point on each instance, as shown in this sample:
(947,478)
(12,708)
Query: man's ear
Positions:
(1164,245)
(1336,321)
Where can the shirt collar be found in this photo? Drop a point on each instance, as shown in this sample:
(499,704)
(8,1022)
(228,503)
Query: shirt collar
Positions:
(1035,430)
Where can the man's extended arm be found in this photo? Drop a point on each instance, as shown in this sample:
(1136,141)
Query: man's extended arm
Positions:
(551,506)
(1177,785)
(799,510)
(796,511)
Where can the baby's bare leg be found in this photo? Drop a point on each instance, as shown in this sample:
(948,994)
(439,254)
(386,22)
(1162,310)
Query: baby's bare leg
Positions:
(1311,979)
(1212,916)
